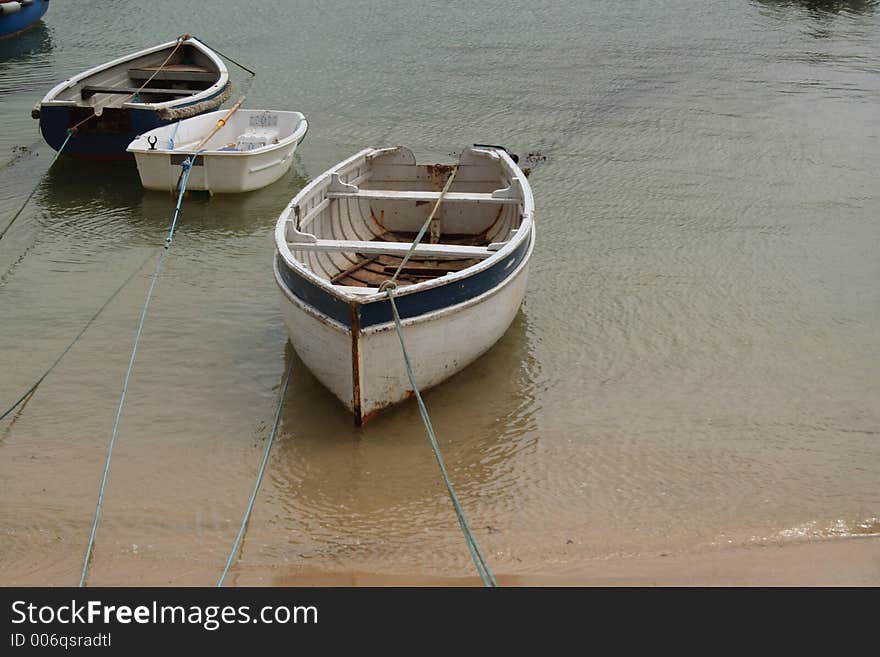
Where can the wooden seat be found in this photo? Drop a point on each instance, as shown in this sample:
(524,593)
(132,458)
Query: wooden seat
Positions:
(393,195)
(90,90)
(455,251)
(173,72)
(338,189)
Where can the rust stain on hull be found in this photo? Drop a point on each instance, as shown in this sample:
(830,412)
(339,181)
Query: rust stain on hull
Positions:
(439,173)
(355,363)
(376,411)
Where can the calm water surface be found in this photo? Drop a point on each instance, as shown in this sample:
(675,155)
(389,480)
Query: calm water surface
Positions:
(695,364)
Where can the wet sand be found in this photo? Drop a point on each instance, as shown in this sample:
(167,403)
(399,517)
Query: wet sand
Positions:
(849,561)
(833,562)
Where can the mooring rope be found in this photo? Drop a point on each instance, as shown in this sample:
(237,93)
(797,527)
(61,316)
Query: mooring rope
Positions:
(180,41)
(247,514)
(241,66)
(476,554)
(76,339)
(389,287)
(187,166)
(173,135)
(70,132)
(421,233)
(37,186)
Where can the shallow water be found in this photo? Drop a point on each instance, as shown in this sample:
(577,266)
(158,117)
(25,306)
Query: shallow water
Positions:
(695,363)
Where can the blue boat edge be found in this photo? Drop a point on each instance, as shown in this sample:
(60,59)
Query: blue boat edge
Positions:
(55,121)
(11,25)
(378,311)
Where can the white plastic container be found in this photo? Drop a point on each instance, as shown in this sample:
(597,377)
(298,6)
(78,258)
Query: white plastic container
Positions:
(253,149)
(250,141)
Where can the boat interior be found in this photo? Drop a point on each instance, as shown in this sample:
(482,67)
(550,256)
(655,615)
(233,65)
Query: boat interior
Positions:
(356,226)
(188,72)
(246,130)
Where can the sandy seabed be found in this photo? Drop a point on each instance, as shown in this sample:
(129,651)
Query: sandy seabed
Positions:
(841,561)
(831,562)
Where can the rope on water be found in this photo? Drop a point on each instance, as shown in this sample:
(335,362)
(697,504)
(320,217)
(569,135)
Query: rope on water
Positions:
(476,554)
(247,514)
(187,166)
(75,340)
(37,186)
(390,286)
(70,132)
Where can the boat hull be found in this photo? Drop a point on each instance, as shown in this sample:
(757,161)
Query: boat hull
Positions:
(363,365)
(104,137)
(215,174)
(219,170)
(14,24)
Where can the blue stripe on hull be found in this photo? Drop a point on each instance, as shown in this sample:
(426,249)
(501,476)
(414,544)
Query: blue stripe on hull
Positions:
(11,24)
(106,136)
(314,296)
(408,305)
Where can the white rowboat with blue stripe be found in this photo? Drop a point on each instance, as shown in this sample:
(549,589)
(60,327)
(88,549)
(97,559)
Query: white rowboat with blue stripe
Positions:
(346,233)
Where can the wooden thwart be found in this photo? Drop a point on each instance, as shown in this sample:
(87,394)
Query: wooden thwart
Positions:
(455,251)
(177,73)
(392,195)
(90,90)
(339,189)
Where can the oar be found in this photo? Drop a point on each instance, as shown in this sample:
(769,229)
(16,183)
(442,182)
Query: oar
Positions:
(220,123)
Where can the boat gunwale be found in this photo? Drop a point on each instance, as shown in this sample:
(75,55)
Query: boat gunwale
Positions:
(299,133)
(525,230)
(405,321)
(49,99)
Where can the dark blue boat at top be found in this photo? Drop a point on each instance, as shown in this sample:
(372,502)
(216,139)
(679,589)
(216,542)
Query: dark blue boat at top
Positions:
(105,108)
(16,16)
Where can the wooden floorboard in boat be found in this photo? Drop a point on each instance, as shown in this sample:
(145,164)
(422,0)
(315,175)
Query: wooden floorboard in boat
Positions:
(372,271)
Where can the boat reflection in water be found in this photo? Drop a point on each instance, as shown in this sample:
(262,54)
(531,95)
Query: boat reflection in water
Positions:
(366,498)
(93,189)
(826,6)
(24,46)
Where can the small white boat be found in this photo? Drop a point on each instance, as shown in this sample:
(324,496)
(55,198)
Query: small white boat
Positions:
(346,233)
(254,148)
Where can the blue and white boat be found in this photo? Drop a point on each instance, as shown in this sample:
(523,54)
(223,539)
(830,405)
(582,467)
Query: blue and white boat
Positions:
(111,104)
(16,16)
(347,232)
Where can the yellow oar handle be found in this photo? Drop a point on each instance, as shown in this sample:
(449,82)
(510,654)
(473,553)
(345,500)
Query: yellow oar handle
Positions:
(220,123)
